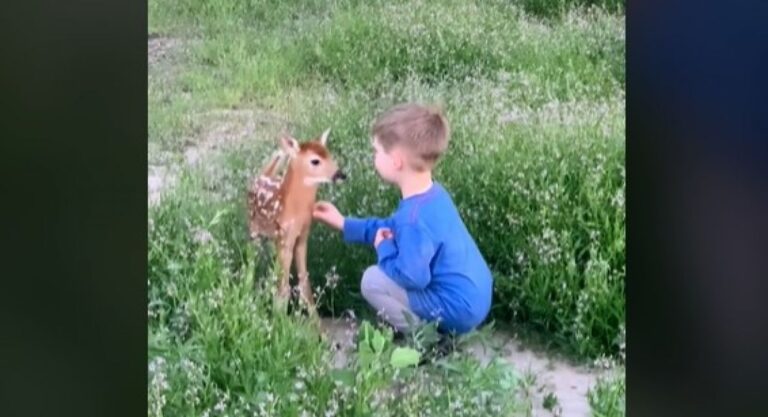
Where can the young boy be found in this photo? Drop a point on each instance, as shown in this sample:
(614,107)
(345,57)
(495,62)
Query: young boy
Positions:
(429,267)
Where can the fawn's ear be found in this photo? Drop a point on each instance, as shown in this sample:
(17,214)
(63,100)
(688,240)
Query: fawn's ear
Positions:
(289,145)
(324,136)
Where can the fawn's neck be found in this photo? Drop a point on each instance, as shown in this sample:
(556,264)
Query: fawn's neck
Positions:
(296,193)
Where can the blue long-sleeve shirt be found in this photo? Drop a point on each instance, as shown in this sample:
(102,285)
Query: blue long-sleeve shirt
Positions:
(433,257)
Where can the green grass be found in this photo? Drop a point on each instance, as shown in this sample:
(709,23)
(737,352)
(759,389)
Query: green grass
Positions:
(534,91)
(217,345)
(607,398)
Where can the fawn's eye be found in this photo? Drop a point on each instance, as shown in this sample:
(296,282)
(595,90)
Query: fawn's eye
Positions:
(315,162)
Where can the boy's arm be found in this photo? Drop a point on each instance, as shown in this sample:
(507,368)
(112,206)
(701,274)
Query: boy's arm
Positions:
(407,257)
(358,230)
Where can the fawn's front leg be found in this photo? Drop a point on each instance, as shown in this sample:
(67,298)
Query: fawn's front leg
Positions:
(305,289)
(285,245)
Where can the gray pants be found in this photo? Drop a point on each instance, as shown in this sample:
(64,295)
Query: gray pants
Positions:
(388,299)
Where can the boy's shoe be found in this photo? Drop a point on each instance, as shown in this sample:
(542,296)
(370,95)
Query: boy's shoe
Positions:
(398,337)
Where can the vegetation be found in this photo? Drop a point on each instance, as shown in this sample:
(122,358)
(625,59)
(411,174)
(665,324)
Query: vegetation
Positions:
(534,91)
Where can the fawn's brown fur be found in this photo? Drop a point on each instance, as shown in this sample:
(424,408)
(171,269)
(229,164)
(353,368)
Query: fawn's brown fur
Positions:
(281,209)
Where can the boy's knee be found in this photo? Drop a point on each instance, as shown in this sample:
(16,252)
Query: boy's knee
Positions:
(370,281)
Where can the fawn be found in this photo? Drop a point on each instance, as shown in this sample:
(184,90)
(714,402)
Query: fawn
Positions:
(281,209)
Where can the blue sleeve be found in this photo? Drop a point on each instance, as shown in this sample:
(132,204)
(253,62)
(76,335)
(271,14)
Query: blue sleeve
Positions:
(407,257)
(362,230)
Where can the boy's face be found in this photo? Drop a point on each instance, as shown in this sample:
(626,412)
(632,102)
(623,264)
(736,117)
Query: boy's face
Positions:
(388,164)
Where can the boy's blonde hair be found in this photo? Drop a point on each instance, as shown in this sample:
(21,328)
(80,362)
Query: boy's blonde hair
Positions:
(421,131)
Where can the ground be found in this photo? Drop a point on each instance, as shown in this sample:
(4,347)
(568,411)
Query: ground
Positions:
(548,374)
(568,382)
(556,386)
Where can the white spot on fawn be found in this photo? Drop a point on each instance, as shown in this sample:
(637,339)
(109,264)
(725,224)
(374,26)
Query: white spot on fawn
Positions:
(315,180)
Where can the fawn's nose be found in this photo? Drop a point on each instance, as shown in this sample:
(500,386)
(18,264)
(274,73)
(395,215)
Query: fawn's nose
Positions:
(339,176)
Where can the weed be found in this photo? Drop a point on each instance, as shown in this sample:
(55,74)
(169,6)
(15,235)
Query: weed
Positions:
(607,398)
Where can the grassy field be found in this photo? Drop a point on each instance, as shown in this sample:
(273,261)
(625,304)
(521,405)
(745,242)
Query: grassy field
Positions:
(607,399)
(535,93)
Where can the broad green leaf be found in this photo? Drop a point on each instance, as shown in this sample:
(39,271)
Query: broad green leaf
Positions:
(449,366)
(402,357)
(378,342)
(364,354)
(345,376)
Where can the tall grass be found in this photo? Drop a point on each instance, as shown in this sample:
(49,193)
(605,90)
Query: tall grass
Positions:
(545,204)
(607,398)
(217,346)
(536,162)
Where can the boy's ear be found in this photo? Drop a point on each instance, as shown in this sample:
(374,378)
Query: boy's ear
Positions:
(289,145)
(398,158)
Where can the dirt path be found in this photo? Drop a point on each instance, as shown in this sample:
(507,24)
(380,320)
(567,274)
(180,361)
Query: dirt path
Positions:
(568,383)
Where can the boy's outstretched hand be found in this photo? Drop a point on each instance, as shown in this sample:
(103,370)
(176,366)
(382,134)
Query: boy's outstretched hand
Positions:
(381,234)
(328,213)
